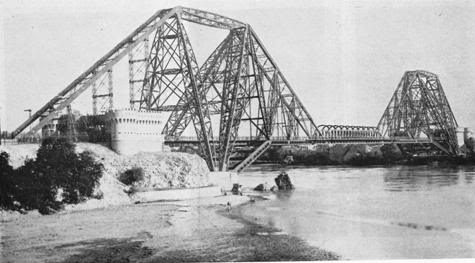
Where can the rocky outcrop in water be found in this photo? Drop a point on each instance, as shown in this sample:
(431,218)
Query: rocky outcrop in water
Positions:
(283,182)
(262,187)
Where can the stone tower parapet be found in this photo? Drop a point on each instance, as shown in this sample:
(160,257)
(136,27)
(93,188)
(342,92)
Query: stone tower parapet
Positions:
(134,131)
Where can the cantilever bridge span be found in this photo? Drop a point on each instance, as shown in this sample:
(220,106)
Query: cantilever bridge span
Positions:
(239,94)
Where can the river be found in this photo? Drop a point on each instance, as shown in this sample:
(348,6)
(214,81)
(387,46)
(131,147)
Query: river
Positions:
(399,212)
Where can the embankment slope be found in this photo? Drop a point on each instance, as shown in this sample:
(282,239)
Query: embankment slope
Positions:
(160,170)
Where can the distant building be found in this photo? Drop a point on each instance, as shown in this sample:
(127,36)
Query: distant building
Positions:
(135,131)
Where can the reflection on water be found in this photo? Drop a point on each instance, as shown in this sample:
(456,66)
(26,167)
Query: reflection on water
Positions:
(419,178)
(373,213)
(284,195)
(469,178)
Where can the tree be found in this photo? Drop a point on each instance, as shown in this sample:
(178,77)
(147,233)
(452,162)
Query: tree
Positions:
(36,184)
(7,185)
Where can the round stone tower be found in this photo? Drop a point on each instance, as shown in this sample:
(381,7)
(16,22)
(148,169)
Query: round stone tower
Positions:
(135,131)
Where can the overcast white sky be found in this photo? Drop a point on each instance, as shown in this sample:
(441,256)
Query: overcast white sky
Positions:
(343,58)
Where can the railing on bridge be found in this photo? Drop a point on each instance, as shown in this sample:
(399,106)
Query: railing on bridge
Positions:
(326,133)
(329,138)
(347,131)
(317,139)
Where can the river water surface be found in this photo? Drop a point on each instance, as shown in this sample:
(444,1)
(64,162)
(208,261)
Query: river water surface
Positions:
(395,212)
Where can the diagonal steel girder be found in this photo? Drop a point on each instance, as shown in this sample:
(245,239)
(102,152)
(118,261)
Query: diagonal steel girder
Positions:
(59,102)
(86,79)
(236,66)
(202,121)
(220,74)
(173,73)
(220,68)
(227,84)
(181,116)
(166,70)
(268,71)
(282,88)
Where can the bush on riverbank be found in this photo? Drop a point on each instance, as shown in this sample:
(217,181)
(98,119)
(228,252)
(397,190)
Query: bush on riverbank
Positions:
(363,160)
(391,153)
(131,176)
(299,155)
(160,170)
(349,154)
(56,177)
(7,186)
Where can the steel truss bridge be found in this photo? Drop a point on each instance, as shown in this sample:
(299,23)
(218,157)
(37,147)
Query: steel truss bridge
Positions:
(239,90)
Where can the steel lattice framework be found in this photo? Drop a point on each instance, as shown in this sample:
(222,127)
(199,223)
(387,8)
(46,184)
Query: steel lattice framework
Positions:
(239,90)
(420,108)
(239,83)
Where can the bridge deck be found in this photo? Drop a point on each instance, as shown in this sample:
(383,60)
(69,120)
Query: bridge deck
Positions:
(320,140)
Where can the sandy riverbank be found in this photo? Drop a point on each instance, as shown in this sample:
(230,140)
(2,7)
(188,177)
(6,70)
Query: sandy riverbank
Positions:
(191,230)
(114,229)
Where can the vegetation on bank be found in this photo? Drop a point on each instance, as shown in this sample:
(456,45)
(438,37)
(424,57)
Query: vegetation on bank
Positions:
(325,155)
(132,175)
(57,176)
(356,155)
(299,156)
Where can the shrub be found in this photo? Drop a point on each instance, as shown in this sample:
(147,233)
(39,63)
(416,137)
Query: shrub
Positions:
(131,175)
(391,153)
(57,166)
(363,160)
(299,155)
(82,181)
(35,188)
(7,185)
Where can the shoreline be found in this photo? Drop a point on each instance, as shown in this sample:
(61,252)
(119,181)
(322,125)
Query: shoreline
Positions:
(190,230)
(297,248)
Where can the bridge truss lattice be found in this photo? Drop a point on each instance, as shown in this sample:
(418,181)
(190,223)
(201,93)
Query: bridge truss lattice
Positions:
(238,83)
(239,90)
(419,108)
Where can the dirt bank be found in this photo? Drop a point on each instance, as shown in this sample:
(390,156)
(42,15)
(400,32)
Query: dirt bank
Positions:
(162,169)
(194,230)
